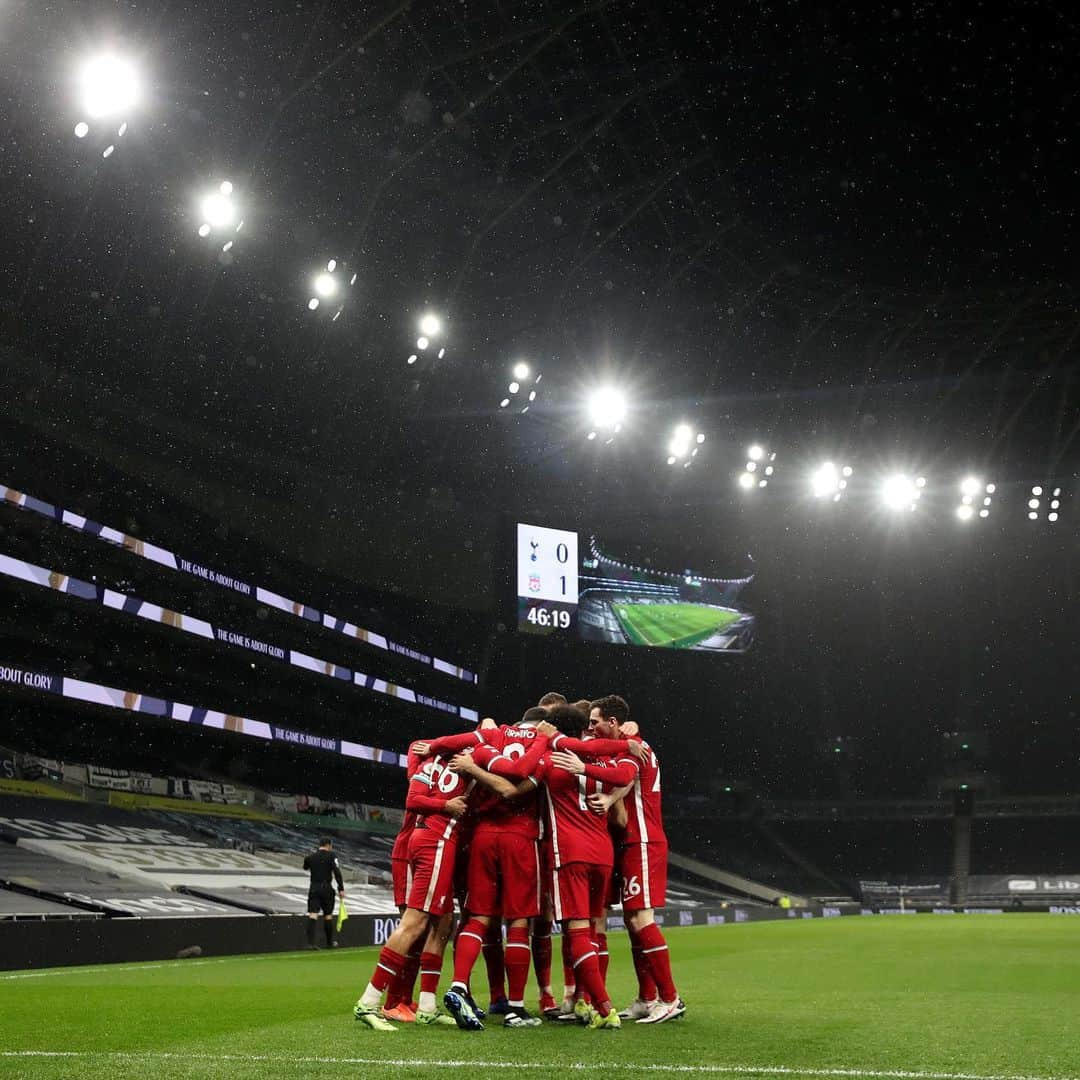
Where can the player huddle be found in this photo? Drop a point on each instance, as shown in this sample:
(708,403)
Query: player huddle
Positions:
(556,817)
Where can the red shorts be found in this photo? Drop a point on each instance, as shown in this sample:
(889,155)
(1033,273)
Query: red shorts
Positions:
(644,875)
(504,875)
(580,890)
(431,864)
(399,874)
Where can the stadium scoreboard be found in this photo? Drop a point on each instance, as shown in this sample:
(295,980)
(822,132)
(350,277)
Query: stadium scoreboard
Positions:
(570,586)
(547,579)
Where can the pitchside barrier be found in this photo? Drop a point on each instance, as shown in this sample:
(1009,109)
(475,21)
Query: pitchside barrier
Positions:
(58,942)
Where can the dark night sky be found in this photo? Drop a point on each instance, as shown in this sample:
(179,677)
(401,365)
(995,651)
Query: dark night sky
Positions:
(850,231)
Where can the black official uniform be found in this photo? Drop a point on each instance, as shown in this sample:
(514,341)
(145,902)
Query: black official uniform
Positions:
(323,866)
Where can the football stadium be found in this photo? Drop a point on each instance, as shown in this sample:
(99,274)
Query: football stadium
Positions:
(538,540)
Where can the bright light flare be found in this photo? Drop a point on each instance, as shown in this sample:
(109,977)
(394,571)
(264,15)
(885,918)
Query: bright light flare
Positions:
(430,325)
(521,371)
(109,86)
(325,285)
(218,210)
(827,480)
(970,485)
(607,408)
(900,492)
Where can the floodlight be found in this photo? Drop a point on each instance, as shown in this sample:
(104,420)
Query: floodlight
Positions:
(900,492)
(825,480)
(964,512)
(746,481)
(109,85)
(325,285)
(607,408)
(430,326)
(422,343)
(755,453)
(521,370)
(971,485)
(218,211)
(82,129)
(514,387)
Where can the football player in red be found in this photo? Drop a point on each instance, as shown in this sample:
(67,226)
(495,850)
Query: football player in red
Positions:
(642,863)
(589,746)
(504,876)
(399,998)
(581,846)
(438,798)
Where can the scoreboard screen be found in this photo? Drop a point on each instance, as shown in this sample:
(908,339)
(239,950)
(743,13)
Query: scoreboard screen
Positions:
(570,586)
(547,579)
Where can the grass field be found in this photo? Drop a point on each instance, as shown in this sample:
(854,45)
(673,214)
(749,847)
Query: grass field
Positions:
(671,626)
(929,997)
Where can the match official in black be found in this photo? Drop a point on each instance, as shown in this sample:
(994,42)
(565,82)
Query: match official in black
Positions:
(322,865)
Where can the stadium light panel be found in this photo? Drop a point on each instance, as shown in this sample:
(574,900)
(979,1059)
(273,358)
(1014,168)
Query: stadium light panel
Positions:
(325,285)
(607,408)
(430,325)
(514,387)
(755,453)
(109,85)
(422,343)
(746,481)
(970,485)
(82,129)
(825,480)
(521,371)
(964,512)
(900,492)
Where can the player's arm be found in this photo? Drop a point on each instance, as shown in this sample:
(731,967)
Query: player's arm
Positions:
(448,744)
(622,772)
(464,763)
(307,862)
(512,768)
(419,797)
(591,747)
(339,878)
(611,803)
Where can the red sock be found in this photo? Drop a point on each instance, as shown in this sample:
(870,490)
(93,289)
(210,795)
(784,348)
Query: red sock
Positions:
(602,954)
(567,961)
(655,951)
(541,952)
(408,977)
(517,962)
(430,971)
(388,968)
(467,948)
(401,988)
(646,983)
(494,961)
(587,968)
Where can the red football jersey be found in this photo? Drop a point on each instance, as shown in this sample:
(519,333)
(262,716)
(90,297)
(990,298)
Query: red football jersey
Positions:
(401,841)
(431,787)
(494,813)
(577,834)
(644,819)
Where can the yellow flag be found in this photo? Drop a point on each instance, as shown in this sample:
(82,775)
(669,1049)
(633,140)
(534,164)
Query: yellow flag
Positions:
(342,914)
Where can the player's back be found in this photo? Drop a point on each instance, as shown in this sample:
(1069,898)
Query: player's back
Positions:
(442,785)
(577,834)
(644,816)
(494,813)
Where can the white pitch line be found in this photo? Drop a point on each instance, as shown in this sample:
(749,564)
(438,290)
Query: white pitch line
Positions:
(106,969)
(577,1066)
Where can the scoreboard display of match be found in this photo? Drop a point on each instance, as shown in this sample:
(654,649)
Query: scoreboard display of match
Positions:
(570,586)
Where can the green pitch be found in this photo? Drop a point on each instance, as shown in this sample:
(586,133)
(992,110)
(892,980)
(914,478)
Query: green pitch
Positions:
(671,626)
(881,998)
